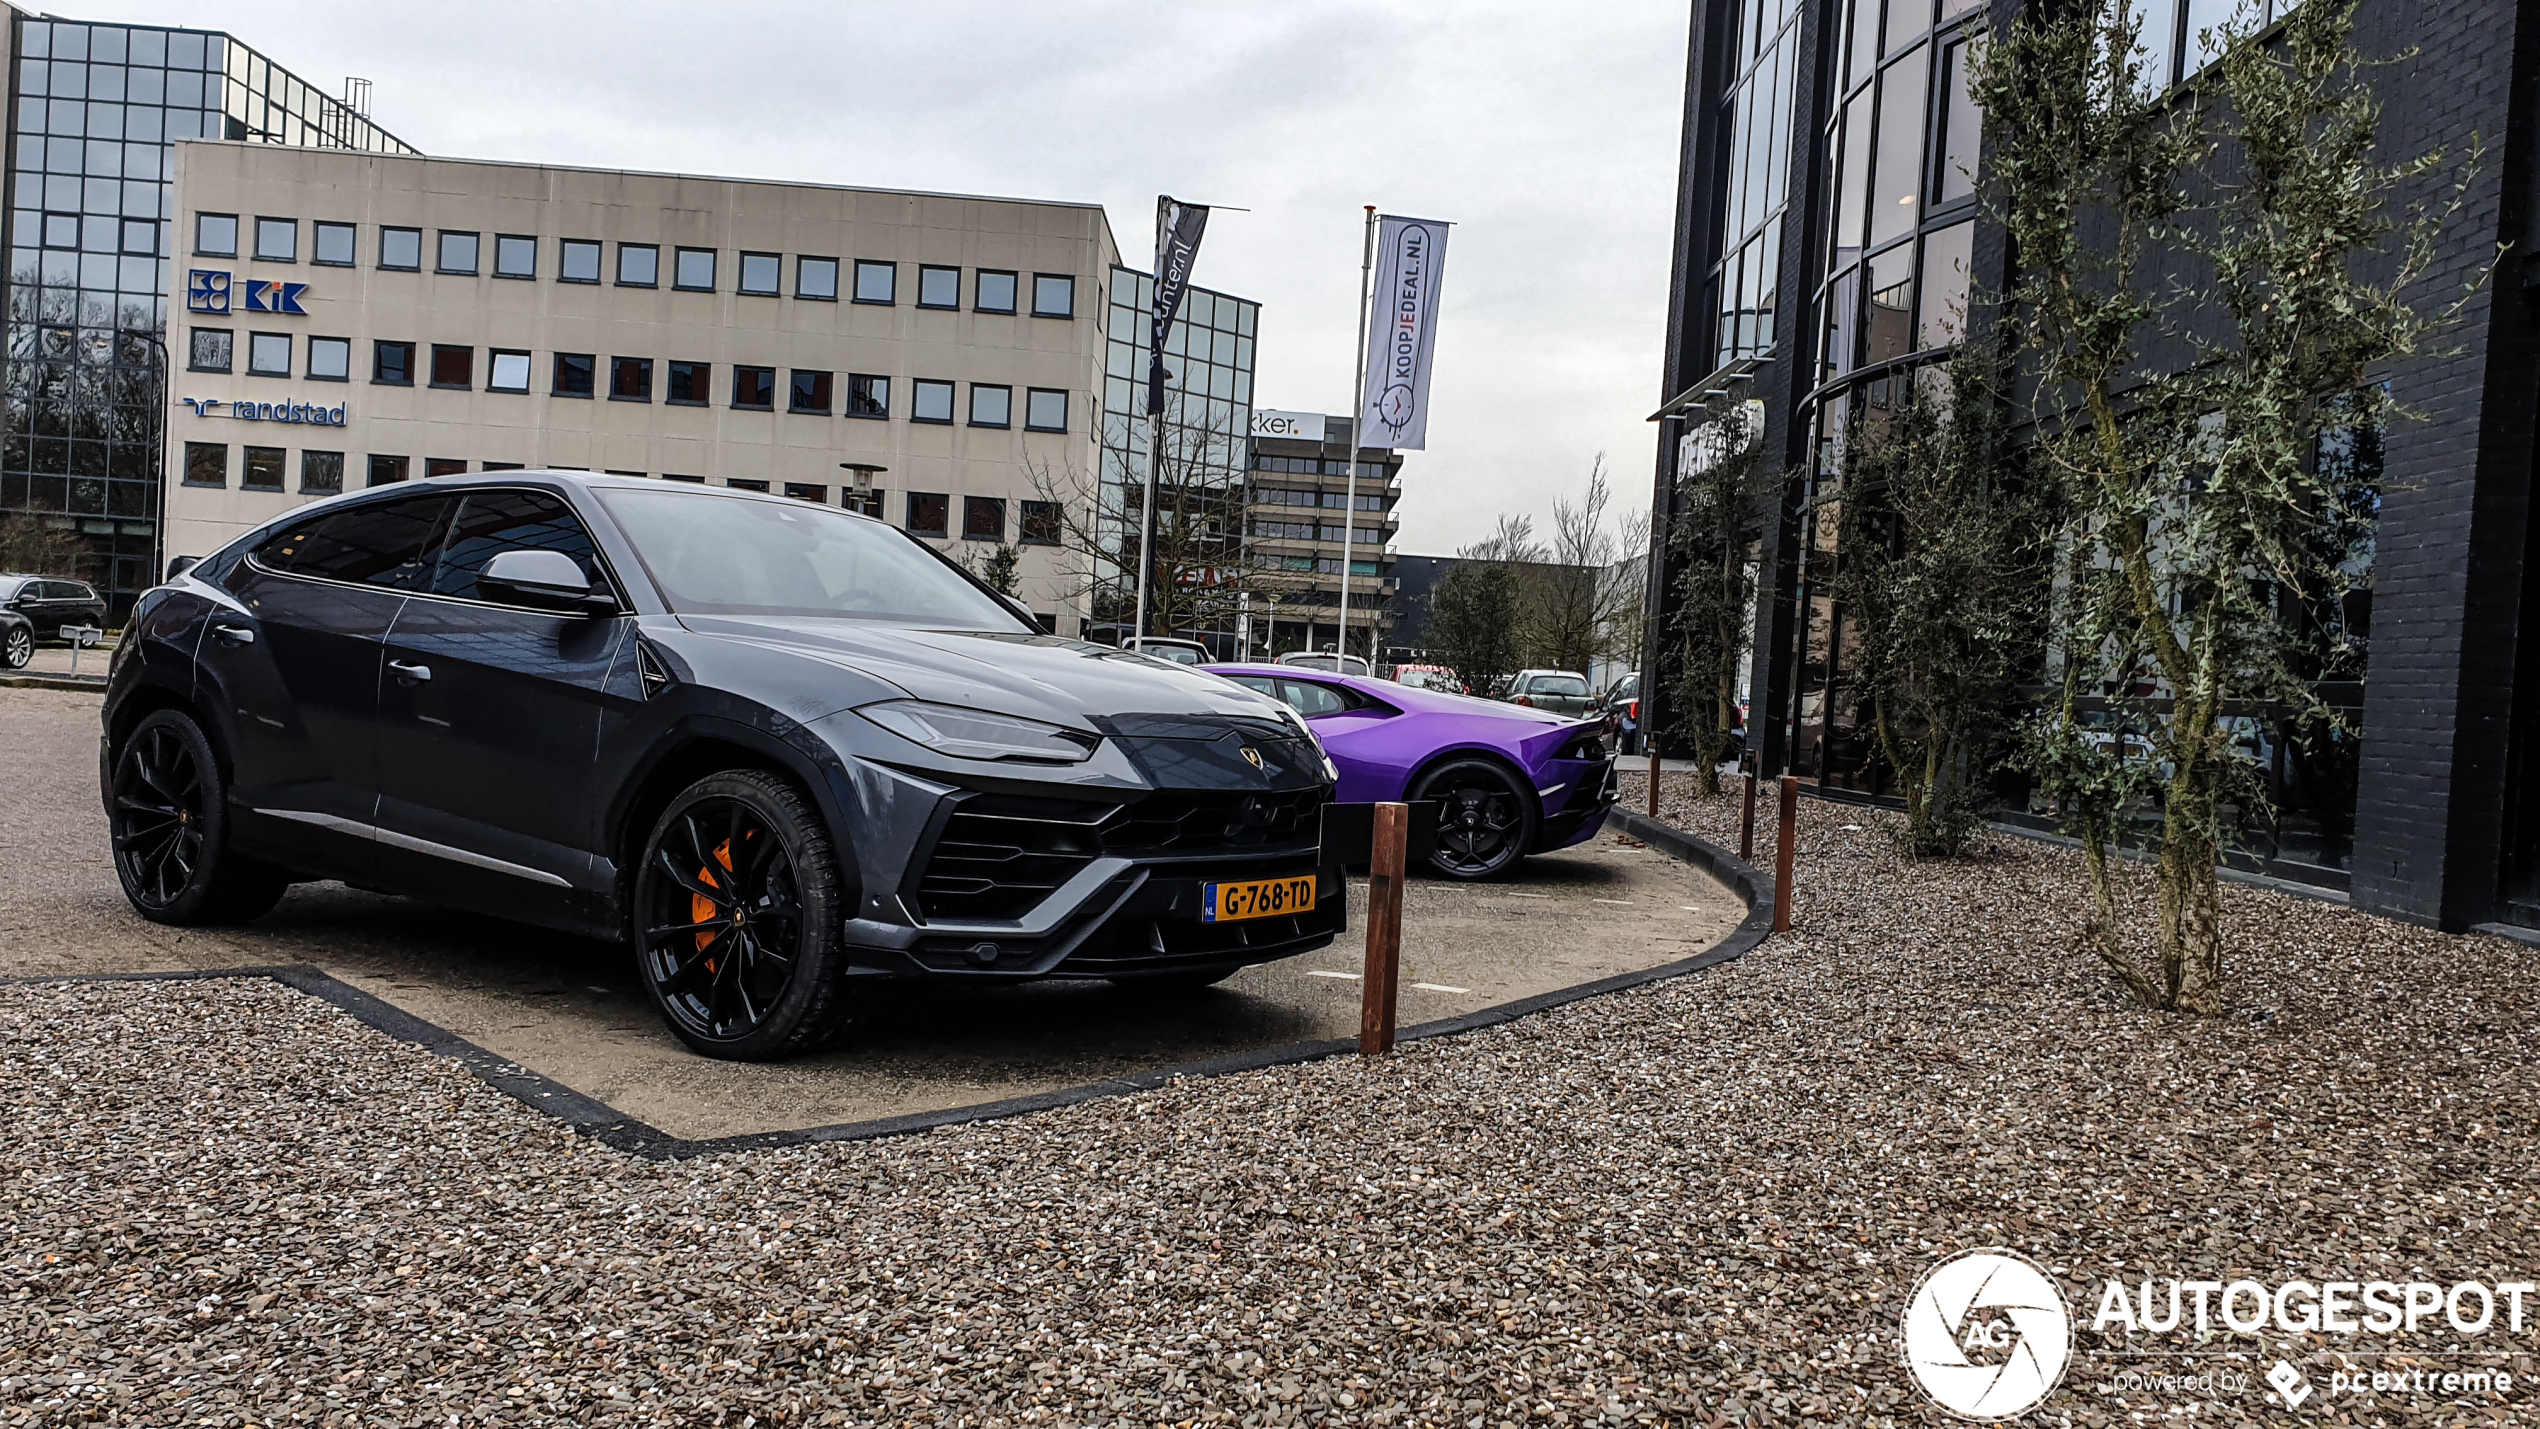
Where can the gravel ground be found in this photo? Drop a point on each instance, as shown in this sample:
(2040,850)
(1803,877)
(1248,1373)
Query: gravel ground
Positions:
(1702,1202)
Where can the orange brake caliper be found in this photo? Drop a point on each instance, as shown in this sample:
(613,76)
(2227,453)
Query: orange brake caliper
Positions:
(700,907)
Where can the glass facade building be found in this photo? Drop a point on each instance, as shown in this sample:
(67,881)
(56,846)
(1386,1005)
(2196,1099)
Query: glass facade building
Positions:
(1208,361)
(1297,528)
(96,109)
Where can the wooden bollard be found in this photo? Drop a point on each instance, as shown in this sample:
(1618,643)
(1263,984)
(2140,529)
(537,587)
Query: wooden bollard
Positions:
(1746,823)
(1385,860)
(1787,854)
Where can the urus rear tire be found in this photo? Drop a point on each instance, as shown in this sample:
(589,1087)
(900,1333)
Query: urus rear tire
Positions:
(738,903)
(167,812)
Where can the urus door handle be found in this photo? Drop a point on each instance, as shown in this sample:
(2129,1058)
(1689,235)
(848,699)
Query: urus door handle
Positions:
(234,634)
(411,674)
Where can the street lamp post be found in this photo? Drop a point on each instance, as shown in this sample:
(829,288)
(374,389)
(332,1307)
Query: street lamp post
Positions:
(860,489)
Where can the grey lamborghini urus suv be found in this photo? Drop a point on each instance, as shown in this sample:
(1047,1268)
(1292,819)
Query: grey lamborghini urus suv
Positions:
(780,749)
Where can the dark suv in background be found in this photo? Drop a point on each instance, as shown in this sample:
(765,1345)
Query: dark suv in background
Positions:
(781,749)
(48,603)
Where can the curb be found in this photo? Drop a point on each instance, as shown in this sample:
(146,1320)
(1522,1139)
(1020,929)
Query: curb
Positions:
(15,680)
(587,1116)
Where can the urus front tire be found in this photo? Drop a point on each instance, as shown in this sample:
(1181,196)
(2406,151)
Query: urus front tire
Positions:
(168,816)
(737,910)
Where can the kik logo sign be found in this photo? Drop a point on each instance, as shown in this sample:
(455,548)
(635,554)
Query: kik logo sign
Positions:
(208,290)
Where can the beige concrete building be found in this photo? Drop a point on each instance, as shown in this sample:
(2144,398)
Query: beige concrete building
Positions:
(346,319)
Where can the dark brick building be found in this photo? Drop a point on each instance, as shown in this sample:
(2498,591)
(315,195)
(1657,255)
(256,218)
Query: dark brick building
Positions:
(1826,224)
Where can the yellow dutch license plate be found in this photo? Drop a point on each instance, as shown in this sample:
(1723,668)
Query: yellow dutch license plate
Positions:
(1261,898)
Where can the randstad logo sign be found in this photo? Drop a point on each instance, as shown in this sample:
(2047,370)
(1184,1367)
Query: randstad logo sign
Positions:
(208,290)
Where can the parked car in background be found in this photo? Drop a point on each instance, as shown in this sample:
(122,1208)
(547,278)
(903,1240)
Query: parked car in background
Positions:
(49,603)
(1622,709)
(784,750)
(17,640)
(1428,677)
(1560,691)
(1507,781)
(1326,660)
(1180,652)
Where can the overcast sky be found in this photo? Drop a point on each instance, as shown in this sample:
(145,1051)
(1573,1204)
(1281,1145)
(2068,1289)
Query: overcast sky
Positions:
(1545,133)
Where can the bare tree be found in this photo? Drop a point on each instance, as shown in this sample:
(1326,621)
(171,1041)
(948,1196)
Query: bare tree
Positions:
(1200,573)
(1575,600)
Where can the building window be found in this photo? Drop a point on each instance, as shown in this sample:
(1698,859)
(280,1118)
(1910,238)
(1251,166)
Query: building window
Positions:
(215,235)
(321,473)
(453,366)
(277,240)
(816,278)
(334,248)
(1045,410)
(743,484)
(868,395)
(934,402)
(805,491)
(506,371)
(206,464)
(444,466)
(61,230)
(401,248)
(754,387)
(269,354)
(207,349)
(938,287)
(928,511)
(691,383)
(1053,295)
(760,273)
(995,293)
(262,470)
(630,379)
(695,272)
(691,480)
(578,261)
(387,470)
(809,392)
(982,518)
(574,374)
(515,256)
(393,363)
(141,236)
(508,466)
(1042,523)
(457,253)
(991,405)
(331,359)
(876,282)
(638,265)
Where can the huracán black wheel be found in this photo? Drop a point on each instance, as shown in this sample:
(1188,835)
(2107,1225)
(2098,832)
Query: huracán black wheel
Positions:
(737,908)
(1486,818)
(169,827)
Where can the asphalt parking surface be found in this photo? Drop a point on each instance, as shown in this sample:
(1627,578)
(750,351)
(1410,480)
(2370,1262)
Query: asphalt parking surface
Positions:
(573,1011)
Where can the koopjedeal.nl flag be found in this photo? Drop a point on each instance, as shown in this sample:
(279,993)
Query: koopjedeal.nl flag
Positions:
(1402,333)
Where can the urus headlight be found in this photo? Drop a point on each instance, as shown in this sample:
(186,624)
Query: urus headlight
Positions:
(1331,771)
(977,734)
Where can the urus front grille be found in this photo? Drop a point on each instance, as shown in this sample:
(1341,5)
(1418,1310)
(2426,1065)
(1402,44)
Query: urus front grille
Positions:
(1001,854)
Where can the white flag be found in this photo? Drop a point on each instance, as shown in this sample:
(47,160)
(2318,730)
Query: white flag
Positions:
(1402,333)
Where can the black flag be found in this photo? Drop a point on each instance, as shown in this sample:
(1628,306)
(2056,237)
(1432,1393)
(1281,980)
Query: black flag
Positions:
(1177,229)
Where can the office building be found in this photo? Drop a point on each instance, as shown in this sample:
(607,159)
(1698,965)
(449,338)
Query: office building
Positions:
(1296,496)
(1828,231)
(1196,586)
(97,112)
(350,319)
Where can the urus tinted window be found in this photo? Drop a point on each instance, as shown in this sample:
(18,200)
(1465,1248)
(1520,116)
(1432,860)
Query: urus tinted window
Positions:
(492,522)
(382,544)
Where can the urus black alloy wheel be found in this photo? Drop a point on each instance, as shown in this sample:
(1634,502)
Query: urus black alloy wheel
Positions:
(158,816)
(737,907)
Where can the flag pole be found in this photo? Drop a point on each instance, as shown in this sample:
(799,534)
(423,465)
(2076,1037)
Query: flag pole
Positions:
(1357,413)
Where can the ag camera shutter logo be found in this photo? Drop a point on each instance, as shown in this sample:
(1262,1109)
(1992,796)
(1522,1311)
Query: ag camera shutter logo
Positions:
(1987,1334)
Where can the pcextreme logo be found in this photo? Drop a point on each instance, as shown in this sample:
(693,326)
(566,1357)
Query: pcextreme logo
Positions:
(1987,1335)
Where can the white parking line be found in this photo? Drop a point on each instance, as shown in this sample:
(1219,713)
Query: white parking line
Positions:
(1617,902)
(1438,987)
(1318,972)
(1530,895)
